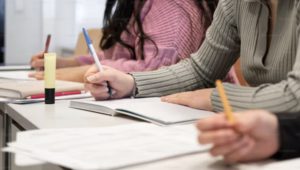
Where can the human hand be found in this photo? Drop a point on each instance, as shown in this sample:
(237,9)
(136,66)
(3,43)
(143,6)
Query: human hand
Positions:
(37,61)
(253,136)
(199,99)
(122,84)
(75,74)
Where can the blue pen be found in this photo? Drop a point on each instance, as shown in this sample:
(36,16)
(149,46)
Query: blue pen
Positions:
(94,54)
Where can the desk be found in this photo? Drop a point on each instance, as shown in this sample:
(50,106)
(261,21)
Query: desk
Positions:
(41,116)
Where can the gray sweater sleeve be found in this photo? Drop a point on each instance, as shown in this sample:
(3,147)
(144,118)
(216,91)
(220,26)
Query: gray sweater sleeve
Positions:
(212,61)
(280,97)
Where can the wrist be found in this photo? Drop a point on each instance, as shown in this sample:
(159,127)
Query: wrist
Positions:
(132,86)
(209,102)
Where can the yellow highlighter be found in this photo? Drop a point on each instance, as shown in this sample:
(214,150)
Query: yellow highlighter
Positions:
(226,105)
(49,76)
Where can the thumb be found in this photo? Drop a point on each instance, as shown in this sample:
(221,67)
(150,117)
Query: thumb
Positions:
(245,122)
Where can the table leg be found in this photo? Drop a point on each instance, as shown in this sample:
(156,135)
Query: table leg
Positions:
(7,138)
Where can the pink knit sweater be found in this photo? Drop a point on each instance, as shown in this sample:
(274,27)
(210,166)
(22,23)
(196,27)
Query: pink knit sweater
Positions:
(176,28)
(174,25)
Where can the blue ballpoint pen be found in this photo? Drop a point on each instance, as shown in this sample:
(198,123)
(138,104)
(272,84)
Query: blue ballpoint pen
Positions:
(94,54)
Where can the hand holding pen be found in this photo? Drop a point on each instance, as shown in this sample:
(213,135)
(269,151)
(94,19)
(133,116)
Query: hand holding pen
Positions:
(121,84)
(95,57)
(37,61)
(104,82)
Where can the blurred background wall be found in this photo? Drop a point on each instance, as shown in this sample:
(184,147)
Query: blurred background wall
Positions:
(27,23)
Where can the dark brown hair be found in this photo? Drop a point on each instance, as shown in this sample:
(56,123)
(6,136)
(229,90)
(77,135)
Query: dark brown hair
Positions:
(119,12)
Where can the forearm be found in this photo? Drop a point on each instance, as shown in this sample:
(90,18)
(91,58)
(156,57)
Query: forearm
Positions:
(67,62)
(167,80)
(280,97)
(154,59)
(196,72)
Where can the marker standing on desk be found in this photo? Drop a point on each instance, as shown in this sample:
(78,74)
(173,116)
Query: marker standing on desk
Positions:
(94,54)
(50,72)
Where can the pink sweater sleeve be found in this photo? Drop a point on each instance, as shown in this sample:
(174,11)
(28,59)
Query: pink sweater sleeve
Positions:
(173,25)
(165,56)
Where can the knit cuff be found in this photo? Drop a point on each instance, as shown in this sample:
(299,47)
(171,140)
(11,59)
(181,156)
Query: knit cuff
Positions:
(239,99)
(288,137)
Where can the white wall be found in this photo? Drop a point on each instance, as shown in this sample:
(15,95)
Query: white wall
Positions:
(23,30)
(29,21)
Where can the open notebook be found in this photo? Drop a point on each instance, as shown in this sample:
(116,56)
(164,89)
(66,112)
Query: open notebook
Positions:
(148,109)
(105,148)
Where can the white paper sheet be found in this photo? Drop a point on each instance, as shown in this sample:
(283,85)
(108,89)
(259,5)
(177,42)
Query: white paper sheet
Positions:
(15,75)
(14,67)
(108,148)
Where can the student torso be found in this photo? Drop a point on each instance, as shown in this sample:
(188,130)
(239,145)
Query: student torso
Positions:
(268,46)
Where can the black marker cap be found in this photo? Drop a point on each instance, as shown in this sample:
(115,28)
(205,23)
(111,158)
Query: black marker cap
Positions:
(50,96)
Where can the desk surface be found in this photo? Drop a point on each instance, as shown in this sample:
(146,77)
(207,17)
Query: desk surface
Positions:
(41,116)
(59,115)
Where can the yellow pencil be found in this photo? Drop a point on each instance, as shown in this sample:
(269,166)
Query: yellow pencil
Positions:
(226,105)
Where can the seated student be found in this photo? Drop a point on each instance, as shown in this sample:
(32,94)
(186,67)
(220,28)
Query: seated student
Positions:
(264,33)
(143,35)
(254,136)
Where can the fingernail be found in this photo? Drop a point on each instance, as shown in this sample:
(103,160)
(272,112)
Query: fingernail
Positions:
(91,78)
(113,92)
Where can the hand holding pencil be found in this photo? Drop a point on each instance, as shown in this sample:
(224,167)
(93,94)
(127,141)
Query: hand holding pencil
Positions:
(240,137)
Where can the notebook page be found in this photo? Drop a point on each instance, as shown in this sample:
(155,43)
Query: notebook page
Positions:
(119,103)
(165,113)
(150,109)
(110,148)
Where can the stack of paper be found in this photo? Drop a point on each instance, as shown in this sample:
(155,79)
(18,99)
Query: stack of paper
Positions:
(106,148)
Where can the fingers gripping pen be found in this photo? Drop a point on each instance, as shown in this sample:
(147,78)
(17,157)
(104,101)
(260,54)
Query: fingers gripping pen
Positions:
(94,54)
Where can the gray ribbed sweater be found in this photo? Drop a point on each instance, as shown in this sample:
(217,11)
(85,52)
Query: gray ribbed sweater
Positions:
(240,28)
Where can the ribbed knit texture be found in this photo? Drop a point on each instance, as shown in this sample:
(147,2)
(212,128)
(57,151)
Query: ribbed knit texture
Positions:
(240,28)
(174,25)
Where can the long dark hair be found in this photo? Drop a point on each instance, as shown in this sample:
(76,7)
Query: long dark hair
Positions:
(208,7)
(119,12)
